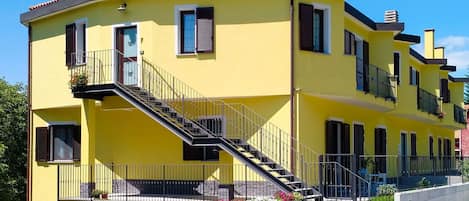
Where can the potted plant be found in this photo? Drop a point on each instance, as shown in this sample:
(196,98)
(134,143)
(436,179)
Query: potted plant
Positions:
(78,80)
(99,194)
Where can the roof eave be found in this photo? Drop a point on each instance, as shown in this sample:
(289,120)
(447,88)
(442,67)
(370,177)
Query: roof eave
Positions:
(412,39)
(458,79)
(53,9)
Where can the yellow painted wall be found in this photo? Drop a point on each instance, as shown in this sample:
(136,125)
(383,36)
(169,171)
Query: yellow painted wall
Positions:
(244,47)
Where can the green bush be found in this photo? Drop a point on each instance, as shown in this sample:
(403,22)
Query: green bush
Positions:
(424,183)
(383,198)
(463,167)
(387,190)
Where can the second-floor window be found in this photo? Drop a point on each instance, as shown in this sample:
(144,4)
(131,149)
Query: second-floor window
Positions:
(314,28)
(414,76)
(75,43)
(444,91)
(195,30)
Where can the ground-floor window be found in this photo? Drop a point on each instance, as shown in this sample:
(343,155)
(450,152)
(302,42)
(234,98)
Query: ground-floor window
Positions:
(58,143)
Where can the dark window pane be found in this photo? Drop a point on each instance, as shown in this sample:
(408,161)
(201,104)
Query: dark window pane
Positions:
(63,142)
(318,30)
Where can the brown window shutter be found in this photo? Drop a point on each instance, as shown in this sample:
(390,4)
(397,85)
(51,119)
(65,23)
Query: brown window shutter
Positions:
(410,76)
(397,63)
(331,144)
(366,67)
(42,144)
(413,144)
(70,44)
(306,27)
(345,139)
(347,48)
(205,29)
(211,153)
(77,143)
(417,75)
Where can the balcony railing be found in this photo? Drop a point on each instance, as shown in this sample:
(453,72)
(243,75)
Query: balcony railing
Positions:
(459,114)
(374,80)
(427,102)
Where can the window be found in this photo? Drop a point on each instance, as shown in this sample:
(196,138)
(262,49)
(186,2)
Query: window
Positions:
(456,143)
(314,28)
(349,43)
(75,43)
(413,145)
(397,66)
(414,76)
(195,29)
(58,143)
(193,153)
(430,146)
(214,124)
(444,91)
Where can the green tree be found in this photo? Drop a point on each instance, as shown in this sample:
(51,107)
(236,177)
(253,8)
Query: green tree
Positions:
(13,112)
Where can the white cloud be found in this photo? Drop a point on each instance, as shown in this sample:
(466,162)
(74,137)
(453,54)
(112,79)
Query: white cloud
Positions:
(452,43)
(456,51)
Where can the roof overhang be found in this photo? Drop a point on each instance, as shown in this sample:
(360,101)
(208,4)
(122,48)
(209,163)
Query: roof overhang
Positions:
(424,60)
(412,39)
(458,79)
(448,68)
(355,13)
(53,9)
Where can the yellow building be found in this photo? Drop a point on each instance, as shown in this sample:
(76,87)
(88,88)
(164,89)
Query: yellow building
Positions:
(133,97)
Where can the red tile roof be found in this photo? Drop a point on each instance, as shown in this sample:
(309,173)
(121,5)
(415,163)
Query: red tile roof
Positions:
(43,4)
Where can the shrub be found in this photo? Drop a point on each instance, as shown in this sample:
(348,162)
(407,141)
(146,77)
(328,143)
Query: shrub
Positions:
(423,183)
(383,198)
(387,190)
(78,79)
(96,193)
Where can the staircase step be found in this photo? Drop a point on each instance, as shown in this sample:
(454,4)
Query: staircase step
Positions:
(294,182)
(311,197)
(286,176)
(188,125)
(173,114)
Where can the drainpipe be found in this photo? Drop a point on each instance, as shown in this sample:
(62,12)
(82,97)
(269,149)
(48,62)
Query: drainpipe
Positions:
(28,122)
(292,85)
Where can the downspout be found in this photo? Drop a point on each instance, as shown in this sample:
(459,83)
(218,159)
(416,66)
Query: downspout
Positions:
(292,86)
(29,121)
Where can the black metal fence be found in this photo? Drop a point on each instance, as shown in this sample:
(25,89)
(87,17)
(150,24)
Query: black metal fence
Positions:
(427,102)
(162,182)
(374,80)
(459,114)
(403,171)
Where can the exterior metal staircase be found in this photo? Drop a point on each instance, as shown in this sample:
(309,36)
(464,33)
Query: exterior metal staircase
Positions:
(250,138)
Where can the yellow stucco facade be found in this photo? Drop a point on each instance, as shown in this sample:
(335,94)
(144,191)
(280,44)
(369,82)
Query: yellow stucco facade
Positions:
(251,65)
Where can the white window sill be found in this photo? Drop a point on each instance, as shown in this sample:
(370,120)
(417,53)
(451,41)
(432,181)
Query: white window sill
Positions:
(62,162)
(186,54)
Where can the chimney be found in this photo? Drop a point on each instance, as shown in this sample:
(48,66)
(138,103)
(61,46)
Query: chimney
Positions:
(391,16)
(429,43)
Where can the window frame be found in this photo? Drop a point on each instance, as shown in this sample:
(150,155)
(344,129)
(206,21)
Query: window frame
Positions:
(75,143)
(326,28)
(413,78)
(178,21)
(52,142)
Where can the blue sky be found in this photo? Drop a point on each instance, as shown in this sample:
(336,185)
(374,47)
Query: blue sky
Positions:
(452,29)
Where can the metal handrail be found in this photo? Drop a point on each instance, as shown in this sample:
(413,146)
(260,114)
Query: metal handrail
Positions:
(240,122)
(376,81)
